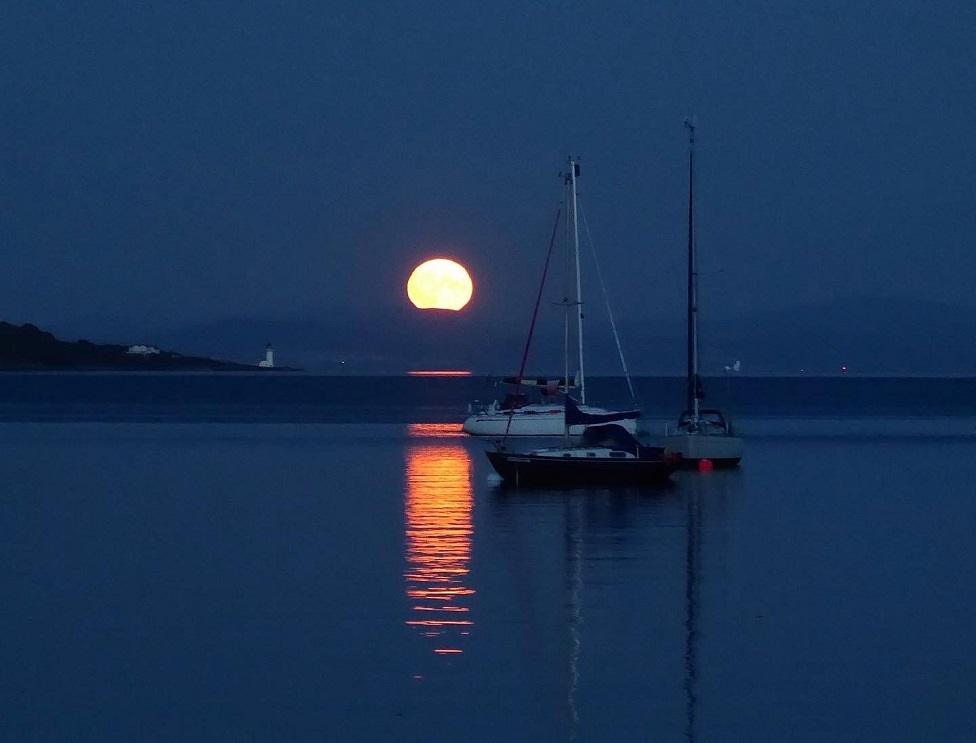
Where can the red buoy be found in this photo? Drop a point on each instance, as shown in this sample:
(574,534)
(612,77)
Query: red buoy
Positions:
(705,465)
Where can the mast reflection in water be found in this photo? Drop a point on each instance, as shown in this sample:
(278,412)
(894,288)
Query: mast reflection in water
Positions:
(438,535)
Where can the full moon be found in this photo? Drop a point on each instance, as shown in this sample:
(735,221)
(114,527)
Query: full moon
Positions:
(439,284)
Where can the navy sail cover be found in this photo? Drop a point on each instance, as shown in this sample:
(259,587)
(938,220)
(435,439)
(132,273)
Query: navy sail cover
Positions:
(575,416)
(612,436)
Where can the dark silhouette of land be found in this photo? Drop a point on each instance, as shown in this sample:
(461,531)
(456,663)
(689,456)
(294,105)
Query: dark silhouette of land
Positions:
(28,348)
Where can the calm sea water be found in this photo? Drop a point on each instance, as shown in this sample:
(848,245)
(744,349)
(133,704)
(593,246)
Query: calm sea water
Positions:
(320,399)
(223,558)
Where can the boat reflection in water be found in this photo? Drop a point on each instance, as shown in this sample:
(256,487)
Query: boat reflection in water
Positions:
(438,535)
(613,556)
(693,549)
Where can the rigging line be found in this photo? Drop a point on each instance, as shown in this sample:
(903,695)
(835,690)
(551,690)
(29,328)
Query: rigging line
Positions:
(535,314)
(606,299)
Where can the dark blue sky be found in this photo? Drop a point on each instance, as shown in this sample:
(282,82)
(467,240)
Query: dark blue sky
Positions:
(181,162)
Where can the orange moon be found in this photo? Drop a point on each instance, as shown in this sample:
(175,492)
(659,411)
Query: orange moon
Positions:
(439,284)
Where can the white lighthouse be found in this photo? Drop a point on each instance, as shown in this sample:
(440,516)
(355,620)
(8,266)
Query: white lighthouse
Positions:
(268,362)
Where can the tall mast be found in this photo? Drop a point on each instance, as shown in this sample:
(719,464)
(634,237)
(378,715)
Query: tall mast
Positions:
(694,386)
(573,174)
(566,304)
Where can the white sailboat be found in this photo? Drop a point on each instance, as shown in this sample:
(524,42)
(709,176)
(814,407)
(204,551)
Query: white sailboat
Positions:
(516,416)
(699,433)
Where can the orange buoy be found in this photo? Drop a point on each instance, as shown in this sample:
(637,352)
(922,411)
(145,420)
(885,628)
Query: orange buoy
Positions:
(705,465)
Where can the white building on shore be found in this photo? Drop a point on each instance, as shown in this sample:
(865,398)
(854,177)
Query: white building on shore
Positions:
(141,350)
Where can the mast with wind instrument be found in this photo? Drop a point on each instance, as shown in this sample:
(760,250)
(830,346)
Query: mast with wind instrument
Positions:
(699,434)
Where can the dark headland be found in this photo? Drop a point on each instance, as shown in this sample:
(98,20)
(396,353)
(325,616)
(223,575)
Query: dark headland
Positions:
(28,348)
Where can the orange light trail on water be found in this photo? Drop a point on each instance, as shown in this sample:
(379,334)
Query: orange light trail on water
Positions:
(439,373)
(434,430)
(438,539)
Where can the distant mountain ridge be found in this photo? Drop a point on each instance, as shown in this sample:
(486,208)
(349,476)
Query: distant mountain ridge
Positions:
(885,336)
(27,347)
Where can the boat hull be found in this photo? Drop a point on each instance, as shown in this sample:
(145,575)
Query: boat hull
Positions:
(528,424)
(529,469)
(721,449)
